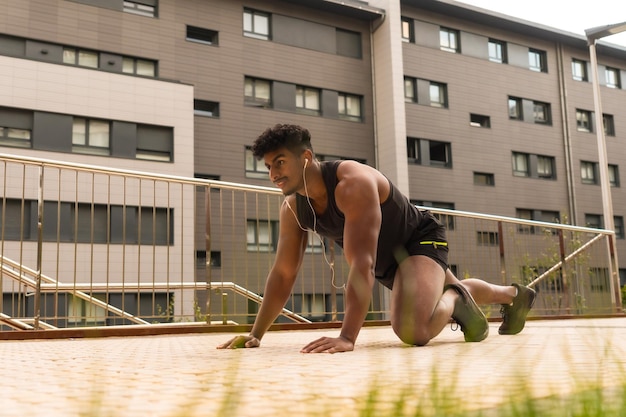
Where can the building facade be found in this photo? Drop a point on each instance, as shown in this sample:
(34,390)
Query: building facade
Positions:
(462,108)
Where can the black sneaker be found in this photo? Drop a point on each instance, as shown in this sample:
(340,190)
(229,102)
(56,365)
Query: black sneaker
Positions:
(467,314)
(514,315)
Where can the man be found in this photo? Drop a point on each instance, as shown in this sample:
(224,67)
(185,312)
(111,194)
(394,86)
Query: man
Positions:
(384,237)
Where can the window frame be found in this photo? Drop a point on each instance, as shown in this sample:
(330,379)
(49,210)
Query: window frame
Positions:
(496,51)
(202,35)
(88,147)
(515,108)
(537,60)
(579,70)
(256,245)
(517,159)
(480,120)
(253,167)
(253,84)
(250,29)
(449,40)
(302,100)
(140,8)
(408,29)
(16,141)
(608,124)
(206,108)
(589,172)
(612,77)
(345,102)
(581,124)
(442,92)
(547,119)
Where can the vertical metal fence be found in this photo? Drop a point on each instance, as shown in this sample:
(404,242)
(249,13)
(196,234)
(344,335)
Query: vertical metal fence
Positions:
(90,246)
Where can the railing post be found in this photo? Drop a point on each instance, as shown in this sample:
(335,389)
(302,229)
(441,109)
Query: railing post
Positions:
(207,240)
(563,271)
(614,273)
(501,248)
(37,307)
(333,290)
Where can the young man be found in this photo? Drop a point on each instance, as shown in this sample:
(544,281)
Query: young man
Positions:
(384,237)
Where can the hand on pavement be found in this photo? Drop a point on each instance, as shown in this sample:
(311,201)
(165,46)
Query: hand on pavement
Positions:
(241,342)
(329,345)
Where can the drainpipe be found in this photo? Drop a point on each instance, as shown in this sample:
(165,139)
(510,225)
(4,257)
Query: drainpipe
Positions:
(567,139)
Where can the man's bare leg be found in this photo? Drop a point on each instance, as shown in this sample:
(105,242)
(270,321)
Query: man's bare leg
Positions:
(516,300)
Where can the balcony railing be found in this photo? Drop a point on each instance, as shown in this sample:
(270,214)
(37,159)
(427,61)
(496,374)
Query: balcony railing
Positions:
(86,246)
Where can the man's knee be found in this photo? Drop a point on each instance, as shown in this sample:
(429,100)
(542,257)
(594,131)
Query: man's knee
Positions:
(411,335)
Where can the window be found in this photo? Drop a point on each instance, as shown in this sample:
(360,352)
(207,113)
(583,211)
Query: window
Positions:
(206,108)
(349,107)
(618,224)
(10,136)
(608,124)
(579,70)
(599,279)
(410,90)
(487,238)
(138,66)
(256,24)
(545,167)
(90,136)
(429,152)
(413,150)
(141,7)
(541,112)
(202,35)
(594,220)
(448,40)
(520,164)
(525,215)
(348,43)
(326,157)
(588,172)
(258,92)
(408,31)
(497,51)
(215,260)
(80,57)
(547,216)
(308,100)
(613,175)
(78,222)
(483,178)
(612,77)
(445,219)
(438,95)
(478,120)
(262,235)
(537,60)
(515,108)
(583,120)
(254,167)
(155,143)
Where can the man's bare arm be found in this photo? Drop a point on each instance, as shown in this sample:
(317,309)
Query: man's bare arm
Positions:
(357,197)
(291,246)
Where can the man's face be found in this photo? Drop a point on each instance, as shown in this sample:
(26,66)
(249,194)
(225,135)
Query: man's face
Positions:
(285,170)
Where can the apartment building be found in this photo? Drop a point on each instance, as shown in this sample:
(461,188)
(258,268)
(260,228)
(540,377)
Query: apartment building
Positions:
(462,108)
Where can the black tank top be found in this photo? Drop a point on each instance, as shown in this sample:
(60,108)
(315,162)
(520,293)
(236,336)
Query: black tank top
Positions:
(400,219)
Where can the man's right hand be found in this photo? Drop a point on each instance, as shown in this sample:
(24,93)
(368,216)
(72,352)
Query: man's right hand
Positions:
(241,342)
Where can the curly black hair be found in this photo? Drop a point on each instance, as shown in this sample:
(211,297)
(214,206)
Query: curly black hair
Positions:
(293,137)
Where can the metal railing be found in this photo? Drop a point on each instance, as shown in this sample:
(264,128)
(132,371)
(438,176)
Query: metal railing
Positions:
(84,246)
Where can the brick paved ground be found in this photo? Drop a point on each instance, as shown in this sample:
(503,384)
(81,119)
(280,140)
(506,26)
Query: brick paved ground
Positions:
(184,375)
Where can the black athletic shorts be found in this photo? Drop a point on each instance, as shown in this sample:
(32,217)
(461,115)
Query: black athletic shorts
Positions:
(428,240)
